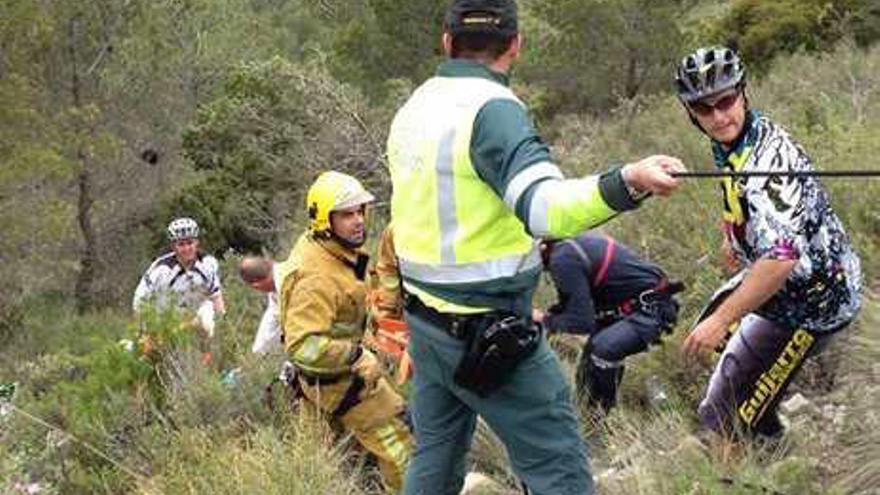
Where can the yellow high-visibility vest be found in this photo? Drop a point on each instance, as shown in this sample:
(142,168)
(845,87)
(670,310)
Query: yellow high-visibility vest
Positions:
(451,228)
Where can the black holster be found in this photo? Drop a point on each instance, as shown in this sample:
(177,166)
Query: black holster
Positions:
(493,353)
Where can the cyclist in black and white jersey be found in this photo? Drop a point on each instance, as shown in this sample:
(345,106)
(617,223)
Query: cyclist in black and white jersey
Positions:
(800,279)
(185,277)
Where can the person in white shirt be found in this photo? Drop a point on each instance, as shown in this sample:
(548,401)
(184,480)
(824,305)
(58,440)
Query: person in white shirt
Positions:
(263,275)
(185,277)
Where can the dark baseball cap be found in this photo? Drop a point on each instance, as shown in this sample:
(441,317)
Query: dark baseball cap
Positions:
(482,16)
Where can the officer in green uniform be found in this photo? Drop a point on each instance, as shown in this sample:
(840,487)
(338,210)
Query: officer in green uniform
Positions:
(473,187)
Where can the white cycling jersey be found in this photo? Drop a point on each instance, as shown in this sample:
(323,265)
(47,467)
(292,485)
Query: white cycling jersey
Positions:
(167,280)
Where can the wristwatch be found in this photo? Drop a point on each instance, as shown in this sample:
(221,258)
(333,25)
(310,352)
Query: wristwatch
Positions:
(635,194)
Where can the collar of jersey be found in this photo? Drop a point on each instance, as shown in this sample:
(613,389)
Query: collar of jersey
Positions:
(339,251)
(199,256)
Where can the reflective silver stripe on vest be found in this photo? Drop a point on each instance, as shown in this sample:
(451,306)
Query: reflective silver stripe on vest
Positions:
(446,197)
(559,194)
(482,271)
(527,177)
(539,209)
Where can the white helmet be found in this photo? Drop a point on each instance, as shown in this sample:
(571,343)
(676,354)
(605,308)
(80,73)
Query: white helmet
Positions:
(182,228)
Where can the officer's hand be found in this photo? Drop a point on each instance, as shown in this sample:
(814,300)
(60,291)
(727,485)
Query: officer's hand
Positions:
(705,337)
(652,174)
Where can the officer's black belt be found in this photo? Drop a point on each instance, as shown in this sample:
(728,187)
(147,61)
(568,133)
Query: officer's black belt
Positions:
(458,326)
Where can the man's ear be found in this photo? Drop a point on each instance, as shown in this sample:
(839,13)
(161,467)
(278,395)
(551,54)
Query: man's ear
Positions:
(516,45)
(446,40)
(512,53)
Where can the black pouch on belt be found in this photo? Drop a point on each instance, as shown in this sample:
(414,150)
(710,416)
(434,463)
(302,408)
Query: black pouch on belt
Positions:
(493,353)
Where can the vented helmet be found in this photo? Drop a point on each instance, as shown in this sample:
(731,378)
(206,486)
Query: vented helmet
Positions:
(707,72)
(182,228)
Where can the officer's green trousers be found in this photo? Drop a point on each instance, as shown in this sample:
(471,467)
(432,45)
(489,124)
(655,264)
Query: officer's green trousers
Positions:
(532,414)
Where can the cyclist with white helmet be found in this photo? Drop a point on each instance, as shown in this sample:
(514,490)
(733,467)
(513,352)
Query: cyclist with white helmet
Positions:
(800,277)
(185,276)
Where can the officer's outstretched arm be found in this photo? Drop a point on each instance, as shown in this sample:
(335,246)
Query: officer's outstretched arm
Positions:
(308,320)
(561,208)
(555,207)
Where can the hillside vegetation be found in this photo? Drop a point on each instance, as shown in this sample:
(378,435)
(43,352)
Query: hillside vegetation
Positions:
(114,116)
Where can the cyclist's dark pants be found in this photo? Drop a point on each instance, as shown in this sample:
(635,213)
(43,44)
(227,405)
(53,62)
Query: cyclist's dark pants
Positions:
(756,367)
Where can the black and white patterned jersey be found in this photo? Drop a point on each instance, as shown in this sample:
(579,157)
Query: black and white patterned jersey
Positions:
(166,279)
(789,218)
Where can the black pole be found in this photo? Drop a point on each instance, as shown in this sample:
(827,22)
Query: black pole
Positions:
(701,174)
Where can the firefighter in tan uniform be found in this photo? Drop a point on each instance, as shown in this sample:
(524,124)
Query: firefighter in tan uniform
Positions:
(323,311)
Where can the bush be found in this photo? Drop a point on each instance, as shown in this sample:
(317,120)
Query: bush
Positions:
(764,30)
(263,141)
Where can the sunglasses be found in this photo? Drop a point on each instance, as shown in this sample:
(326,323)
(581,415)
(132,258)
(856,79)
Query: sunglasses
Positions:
(722,104)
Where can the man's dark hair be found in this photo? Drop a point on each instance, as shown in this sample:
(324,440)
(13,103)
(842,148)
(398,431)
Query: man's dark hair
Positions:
(486,46)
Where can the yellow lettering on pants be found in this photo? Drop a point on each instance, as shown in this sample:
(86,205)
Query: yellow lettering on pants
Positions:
(769,383)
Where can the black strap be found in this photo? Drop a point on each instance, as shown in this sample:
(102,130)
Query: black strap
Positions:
(674,287)
(180,273)
(200,273)
(664,290)
(351,398)
(360,266)
(313,380)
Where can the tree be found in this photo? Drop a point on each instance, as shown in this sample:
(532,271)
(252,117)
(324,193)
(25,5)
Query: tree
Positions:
(96,97)
(374,41)
(590,54)
(261,142)
(69,44)
(762,30)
